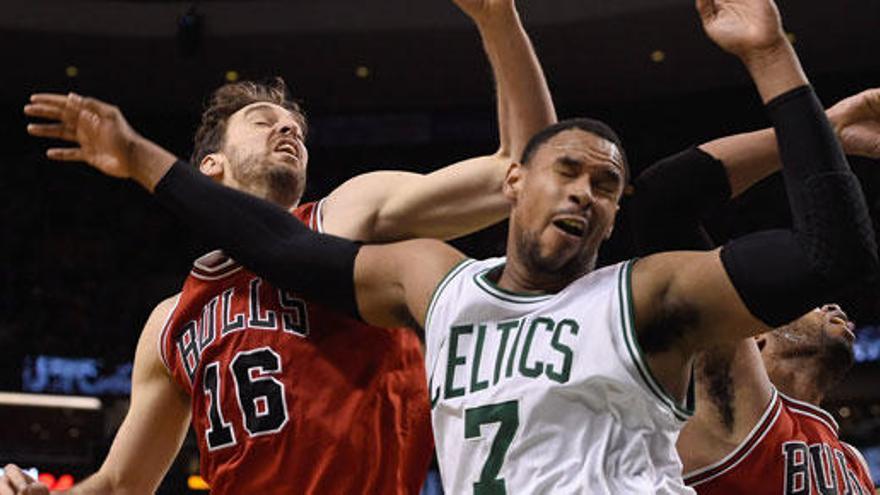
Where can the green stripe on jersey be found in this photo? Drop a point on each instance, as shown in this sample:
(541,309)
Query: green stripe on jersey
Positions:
(627,318)
(455,270)
(489,287)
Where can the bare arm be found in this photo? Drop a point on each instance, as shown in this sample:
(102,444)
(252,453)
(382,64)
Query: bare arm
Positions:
(154,428)
(732,393)
(394,283)
(752,156)
(686,302)
(466,196)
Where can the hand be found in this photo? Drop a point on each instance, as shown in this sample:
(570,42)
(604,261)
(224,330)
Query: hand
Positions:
(485,10)
(104,137)
(14,481)
(745,28)
(856,121)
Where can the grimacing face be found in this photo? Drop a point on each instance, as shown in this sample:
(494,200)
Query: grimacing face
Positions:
(265,153)
(565,202)
(824,335)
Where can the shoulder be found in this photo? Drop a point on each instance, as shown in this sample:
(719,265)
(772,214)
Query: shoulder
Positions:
(150,344)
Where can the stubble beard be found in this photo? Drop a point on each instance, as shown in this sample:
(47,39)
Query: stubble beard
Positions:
(548,267)
(832,357)
(279,184)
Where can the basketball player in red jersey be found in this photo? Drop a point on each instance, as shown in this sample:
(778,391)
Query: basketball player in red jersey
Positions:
(758,427)
(284,395)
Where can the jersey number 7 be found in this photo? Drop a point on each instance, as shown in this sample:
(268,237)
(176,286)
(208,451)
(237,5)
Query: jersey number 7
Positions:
(507,414)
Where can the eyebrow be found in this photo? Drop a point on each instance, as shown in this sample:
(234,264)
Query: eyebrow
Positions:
(570,161)
(258,108)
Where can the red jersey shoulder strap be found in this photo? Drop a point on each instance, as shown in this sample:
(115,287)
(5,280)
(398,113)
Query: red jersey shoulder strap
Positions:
(742,451)
(809,410)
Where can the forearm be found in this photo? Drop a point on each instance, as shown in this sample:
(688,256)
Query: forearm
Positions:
(263,237)
(527,104)
(780,276)
(96,484)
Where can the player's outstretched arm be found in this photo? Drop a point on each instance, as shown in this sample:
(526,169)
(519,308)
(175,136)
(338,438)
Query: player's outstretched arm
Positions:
(385,285)
(673,195)
(687,302)
(150,436)
(154,427)
(466,196)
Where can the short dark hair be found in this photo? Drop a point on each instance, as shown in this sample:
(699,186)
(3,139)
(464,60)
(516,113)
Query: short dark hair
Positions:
(592,126)
(232,97)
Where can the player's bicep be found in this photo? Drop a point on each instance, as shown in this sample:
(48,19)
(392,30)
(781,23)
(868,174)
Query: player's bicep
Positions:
(352,209)
(157,420)
(394,282)
(693,290)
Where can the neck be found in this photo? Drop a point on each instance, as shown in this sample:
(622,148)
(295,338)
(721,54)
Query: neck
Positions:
(265,191)
(519,275)
(797,378)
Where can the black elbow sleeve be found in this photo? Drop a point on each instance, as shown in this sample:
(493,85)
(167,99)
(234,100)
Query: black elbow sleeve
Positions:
(264,237)
(781,275)
(671,199)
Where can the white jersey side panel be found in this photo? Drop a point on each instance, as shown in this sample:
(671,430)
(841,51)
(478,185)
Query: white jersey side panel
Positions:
(546,394)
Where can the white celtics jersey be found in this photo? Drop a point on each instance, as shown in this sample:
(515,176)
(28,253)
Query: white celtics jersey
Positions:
(546,394)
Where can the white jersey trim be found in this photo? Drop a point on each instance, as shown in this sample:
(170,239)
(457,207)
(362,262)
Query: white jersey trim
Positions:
(164,332)
(455,270)
(738,453)
(817,413)
(489,287)
(317,220)
(627,317)
(202,271)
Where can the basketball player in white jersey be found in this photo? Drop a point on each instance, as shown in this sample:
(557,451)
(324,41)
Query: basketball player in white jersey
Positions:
(545,375)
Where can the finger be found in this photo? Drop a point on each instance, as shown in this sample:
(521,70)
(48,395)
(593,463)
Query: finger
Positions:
(43,111)
(97,106)
(49,98)
(52,131)
(17,479)
(71,109)
(65,154)
(6,487)
(36,489)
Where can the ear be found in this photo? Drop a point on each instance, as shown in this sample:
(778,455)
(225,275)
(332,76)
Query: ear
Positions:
(213,165)
(513,182)
(611,227)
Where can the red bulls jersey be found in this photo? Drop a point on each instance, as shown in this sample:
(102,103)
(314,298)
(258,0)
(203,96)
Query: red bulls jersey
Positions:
(793,450)
(290,397)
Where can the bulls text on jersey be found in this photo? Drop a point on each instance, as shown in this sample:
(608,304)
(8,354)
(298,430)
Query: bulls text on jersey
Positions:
(217,321)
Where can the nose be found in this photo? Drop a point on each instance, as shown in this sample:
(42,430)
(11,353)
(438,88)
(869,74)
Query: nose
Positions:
(581,194)
(286,129)
(828,308)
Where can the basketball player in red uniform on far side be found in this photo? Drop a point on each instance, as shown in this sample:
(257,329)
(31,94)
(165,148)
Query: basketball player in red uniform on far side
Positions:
(284,395)
(758,427)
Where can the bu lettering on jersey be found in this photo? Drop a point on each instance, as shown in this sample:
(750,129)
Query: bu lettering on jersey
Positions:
(793,450)
(289,397)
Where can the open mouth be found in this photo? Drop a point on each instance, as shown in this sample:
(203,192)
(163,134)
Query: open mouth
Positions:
(571,226)
(287,149)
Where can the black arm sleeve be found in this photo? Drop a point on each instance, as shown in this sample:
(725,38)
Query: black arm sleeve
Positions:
(781,275)
(671,199)
(263,237)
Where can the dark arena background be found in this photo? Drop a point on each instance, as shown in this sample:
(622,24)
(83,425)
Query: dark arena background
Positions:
(395,84)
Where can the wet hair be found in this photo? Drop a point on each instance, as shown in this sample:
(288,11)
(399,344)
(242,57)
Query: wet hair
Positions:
(230,98)
(592,126)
